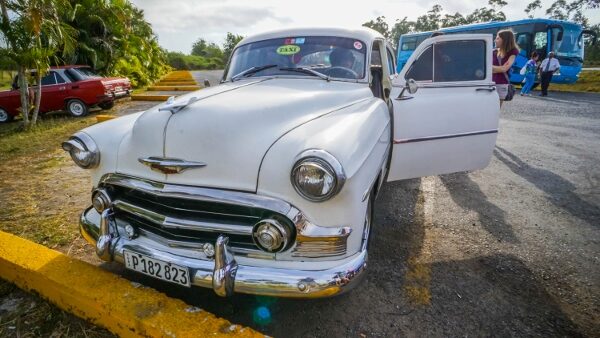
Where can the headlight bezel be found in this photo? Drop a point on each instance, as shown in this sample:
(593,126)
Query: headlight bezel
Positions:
(327,163)
(82,143)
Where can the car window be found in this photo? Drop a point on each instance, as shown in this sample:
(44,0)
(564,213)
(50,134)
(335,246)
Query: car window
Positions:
(59,78)
(49,79)
(421,69)
(463,60)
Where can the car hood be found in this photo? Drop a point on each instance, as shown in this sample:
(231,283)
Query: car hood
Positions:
(231,127)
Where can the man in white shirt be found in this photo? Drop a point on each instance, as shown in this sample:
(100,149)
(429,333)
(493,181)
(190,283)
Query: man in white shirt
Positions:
(548,67)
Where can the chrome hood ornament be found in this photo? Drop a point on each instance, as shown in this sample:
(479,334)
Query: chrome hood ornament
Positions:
(169,165)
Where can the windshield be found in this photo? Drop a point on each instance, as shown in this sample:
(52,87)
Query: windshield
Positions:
(571,44)
(336,57)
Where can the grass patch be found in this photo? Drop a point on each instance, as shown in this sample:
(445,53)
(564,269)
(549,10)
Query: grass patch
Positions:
(41,190)
(589,81)
(47,135)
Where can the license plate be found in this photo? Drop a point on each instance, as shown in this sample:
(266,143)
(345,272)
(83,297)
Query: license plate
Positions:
(118,89)
(156,268)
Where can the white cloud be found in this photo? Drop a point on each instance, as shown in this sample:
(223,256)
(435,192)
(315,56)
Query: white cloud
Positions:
(178,23)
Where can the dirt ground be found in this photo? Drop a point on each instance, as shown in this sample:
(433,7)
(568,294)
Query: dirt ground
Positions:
(511,250)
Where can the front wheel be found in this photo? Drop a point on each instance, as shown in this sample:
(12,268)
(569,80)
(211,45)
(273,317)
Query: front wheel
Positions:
(77,108)
(5,116)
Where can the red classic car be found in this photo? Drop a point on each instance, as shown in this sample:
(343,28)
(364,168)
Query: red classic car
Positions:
(70,88)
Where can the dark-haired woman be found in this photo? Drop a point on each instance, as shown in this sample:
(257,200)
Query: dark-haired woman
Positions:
(504,56)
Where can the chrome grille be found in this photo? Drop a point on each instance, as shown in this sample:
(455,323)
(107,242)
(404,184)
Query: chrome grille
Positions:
(186,220)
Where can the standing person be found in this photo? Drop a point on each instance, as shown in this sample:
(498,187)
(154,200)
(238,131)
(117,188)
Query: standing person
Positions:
(530,71)
(548,67)
(504,56)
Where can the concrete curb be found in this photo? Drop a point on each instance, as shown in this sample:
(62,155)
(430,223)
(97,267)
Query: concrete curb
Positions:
(162,87)
(150,97)
(104,298)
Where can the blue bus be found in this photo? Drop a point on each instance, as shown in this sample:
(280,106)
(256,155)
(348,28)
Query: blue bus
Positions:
(564,38)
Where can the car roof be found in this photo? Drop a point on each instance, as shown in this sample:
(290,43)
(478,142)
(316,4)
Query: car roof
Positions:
(363,33)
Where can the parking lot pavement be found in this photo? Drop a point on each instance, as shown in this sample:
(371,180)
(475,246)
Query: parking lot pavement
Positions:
(511,250)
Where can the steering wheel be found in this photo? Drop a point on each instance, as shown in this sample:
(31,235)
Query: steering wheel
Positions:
(343,72)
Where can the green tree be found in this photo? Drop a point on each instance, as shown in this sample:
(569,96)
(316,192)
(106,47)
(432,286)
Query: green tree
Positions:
(531,7)
(430,21)
(401,27)
(115,39)
(33,34)
(231,40)
(456,19)
(379,25)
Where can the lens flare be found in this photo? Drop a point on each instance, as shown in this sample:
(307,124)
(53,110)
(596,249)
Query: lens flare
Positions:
(262,315)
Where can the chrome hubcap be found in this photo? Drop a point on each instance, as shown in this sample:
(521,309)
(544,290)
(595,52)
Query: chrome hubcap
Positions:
(3,115)
(76,108)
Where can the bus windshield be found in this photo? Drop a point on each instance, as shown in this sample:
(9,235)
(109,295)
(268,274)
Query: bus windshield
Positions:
(571,44)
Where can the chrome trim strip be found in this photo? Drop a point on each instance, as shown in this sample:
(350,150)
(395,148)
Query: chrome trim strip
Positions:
(197,193)
(440,137)
(178,223)
(169,165)
(258,280)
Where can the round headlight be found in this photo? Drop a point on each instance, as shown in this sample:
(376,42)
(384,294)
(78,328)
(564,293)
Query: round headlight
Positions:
(318,178)
(83,150)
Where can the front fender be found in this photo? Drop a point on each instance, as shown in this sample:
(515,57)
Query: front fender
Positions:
(108,136)
(358,136)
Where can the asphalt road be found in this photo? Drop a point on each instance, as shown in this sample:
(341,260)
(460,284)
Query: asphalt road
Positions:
(511,250)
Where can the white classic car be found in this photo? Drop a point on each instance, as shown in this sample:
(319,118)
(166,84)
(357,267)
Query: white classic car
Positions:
(265,184)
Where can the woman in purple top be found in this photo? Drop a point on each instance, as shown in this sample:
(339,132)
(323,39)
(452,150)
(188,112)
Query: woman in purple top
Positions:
(504,56)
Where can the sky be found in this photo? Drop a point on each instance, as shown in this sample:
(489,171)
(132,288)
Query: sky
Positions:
(179,23)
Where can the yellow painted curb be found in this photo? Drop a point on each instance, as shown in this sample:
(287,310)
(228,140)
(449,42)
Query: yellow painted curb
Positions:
(150,97)
(104,298)
(176,83)
(102,118)
(173,88)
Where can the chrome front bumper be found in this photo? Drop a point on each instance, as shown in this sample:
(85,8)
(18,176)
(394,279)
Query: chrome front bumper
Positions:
(223,274)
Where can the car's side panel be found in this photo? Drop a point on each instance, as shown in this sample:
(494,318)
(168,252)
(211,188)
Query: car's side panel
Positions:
(358,136)
(10,101)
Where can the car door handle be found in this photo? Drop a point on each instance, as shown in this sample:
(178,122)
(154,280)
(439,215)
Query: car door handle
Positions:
(486,89)
(75,87)
(62,88)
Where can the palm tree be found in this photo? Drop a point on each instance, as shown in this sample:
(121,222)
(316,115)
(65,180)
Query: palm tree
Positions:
(33,33)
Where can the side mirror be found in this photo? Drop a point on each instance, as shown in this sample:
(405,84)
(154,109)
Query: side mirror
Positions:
(412,86)
(206,83)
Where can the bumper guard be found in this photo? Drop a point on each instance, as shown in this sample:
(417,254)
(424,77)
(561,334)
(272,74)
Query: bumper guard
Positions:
(223,274)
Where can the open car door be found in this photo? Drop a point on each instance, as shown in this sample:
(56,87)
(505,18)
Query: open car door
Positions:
(450,123)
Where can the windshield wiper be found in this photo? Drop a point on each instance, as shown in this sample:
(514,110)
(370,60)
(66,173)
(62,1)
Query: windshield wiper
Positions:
(251,71)
(307,71)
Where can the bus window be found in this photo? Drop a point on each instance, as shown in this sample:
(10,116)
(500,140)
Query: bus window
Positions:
(459,61)
(420,39)
(421,68)
(524,43)
(540,43)
(408,44)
